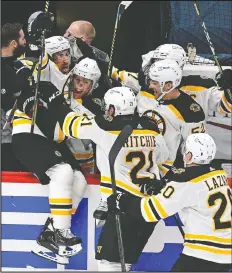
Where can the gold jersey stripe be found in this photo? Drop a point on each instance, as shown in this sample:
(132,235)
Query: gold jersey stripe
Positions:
(105,190)
(227,105)
(193,88)
(208,238)
(83,155)
(209,249)
(60,201)
(147,210)
(67,122)
(146,94)
(21,122)
(61,212)
(222,111)
(176,112)
(162,212)
(207,175)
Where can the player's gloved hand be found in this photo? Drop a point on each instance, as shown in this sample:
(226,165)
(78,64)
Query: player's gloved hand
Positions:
(49,93)
(224,80)
(153,187)
(118,202)
(43,21)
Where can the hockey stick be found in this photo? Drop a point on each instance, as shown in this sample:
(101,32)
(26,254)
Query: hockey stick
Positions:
(35,106)
(120,140)
(121,8)
(208,38)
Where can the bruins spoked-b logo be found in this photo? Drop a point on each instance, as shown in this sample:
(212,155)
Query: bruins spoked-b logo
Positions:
(158,118)
(57,153)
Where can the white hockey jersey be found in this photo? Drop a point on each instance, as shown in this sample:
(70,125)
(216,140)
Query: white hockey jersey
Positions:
(202,198)
(176,120)
(135,162)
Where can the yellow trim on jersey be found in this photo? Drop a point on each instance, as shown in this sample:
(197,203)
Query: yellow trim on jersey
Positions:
(79,101)
(222,111)
(148,212)
(22,121)
(123,185)
(75,127)
(193,88)
(146,94)
(67,121)
(61,135)
(207,175)
(137,132)
(159,207)
(105,190)
(60,200)
(121,76)
(163,169)
(209,249)
(176,112)
(226,103)
(208,238)
(83,155)
(61,212)
(115,75)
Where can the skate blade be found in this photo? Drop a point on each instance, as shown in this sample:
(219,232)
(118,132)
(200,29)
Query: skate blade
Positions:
(100,223)
(69,251)
(41,252)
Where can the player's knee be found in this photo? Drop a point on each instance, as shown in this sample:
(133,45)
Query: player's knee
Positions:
(61,173)
(104,265)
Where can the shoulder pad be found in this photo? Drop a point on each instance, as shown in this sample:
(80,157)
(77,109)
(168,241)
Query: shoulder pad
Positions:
(189,173)
(190,110)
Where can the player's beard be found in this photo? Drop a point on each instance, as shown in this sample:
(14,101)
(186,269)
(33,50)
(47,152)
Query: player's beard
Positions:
(19,50)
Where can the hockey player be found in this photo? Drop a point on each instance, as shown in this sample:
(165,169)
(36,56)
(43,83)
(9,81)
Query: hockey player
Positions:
(82,86)
(202,197)
(176,113)
(135,164)
(52,164)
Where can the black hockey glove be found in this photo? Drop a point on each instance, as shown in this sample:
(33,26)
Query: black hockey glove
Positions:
(49,93)
(44,21)
(224,80)
(154,187)
(118,202)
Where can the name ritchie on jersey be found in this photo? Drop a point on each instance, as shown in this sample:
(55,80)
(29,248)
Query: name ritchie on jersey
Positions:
(140,141)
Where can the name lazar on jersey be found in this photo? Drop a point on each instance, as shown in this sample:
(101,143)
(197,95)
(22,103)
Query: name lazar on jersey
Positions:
(140,141)
(217,182)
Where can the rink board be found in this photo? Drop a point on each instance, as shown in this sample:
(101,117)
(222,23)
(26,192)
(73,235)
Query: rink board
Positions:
(25,209)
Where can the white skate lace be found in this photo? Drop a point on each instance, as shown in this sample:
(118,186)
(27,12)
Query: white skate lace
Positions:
(102,206)
(66,233)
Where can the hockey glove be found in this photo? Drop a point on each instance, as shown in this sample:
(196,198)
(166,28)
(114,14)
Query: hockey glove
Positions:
(49,93)
(118,202)
(224,80)
(43,22)
(154,187)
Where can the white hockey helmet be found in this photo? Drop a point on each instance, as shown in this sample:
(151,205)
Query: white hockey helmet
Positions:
(122,98)
(88,69)
(202,147)
(167,51)
(165,71)
(56,44)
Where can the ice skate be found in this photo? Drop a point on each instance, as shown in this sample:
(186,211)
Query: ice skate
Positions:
(59,241)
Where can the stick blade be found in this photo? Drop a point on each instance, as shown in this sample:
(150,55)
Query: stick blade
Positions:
(119,142)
